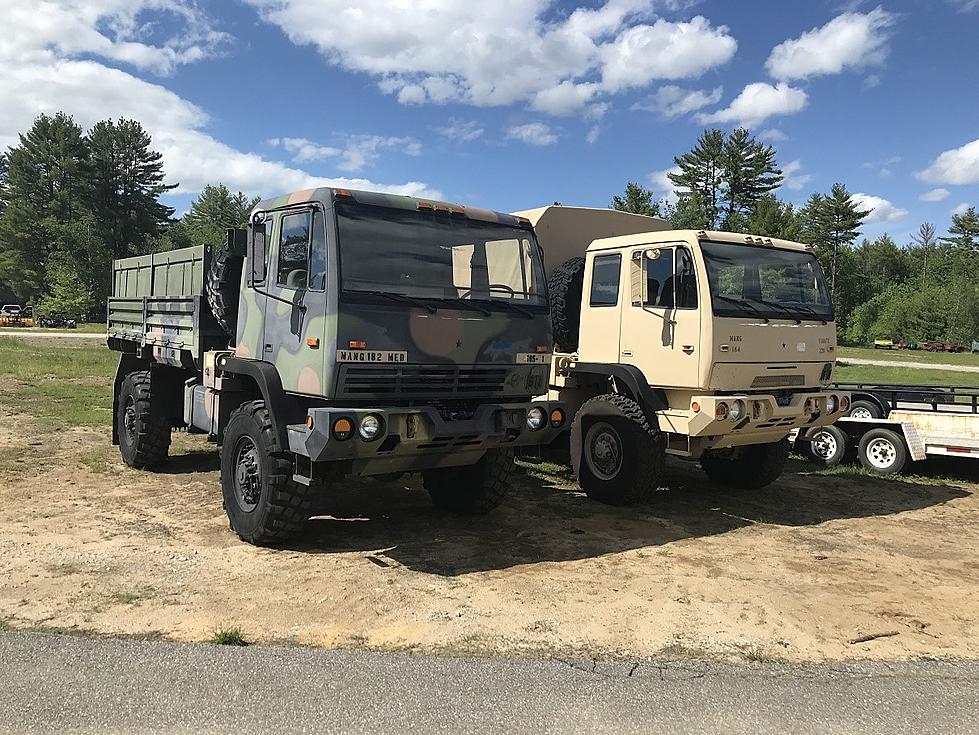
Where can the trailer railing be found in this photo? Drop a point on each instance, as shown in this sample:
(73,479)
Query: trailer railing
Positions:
(919,397)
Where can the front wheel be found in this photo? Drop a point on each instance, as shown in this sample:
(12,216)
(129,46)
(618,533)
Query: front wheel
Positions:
(264,505)
(752,468)
(618,457)
(883,451)
(474,489)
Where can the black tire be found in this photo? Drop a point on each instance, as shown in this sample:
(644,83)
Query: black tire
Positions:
(474,489)
(264,505)
(883,452)
(829,446)
(144,437)
(224,287)
(618,458)
(564,288)
(755,467)
(861,407)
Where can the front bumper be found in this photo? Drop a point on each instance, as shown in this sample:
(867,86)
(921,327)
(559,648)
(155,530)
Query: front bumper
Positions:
(418,437)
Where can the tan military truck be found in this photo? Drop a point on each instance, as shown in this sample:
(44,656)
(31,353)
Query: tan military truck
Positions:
(344,333)
(709,346)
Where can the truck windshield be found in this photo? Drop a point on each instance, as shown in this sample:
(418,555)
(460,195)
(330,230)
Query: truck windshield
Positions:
(769,282)
(435,255)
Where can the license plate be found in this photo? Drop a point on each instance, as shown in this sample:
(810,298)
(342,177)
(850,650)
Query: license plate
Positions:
(371,356)
(533,358)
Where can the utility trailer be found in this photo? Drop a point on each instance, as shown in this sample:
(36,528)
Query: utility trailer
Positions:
(915,422)
(342,333)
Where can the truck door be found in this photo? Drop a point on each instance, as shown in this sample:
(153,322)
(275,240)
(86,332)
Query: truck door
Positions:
(295,310)
(601,299)
(661,327)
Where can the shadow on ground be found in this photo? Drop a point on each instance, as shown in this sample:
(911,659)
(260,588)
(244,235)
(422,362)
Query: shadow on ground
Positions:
(394,522)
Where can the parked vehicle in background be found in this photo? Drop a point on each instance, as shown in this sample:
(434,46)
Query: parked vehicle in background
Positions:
(15,315)
(56,321)
(884,344)
(10,310)
(343,333)
(902,345)
(708,346)
(919,421)
(941,347)
(975,346)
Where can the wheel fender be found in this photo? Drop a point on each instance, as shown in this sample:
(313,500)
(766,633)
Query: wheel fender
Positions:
(871,398)
(634,381)
(266,377)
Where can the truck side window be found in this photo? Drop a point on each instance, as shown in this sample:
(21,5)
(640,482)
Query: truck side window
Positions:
(659,280)
(293,262)
(605,273)
(686,280)
(317,254)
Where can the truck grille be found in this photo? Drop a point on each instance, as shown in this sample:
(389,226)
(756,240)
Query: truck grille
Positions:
(412,381)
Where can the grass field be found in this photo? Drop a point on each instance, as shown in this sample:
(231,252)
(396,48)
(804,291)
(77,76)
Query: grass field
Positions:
(946,358)
(88,327)
(902,375)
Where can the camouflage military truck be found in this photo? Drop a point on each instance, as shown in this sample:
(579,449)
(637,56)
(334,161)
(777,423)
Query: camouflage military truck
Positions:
(341,333)
(709,346)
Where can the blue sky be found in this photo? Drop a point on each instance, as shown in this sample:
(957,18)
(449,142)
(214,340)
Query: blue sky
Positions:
(518,103)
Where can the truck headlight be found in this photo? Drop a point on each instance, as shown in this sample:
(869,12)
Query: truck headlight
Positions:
(737,410)
(535,418)
(370,427)
(831,404)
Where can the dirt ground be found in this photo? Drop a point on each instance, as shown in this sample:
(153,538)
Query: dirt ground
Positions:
(793,572)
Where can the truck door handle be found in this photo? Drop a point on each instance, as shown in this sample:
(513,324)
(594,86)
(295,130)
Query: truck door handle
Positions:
(688,349)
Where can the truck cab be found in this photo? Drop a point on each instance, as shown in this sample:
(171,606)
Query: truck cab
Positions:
(723,342)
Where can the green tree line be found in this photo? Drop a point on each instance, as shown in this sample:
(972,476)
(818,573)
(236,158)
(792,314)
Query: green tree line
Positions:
(924,289)
(71,200)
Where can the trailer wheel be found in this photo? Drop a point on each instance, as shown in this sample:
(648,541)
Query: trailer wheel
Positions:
(224,287)
(264,505)
(755,467)
(144,437)
(617,456)
(564,288)
(865,410)
(472,490)
(883,451)
(828,446)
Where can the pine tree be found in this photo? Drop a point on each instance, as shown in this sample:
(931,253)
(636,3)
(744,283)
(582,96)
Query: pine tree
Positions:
(128,182)
(637,200)
(214,211)
(964,232)
(701,172)
(772,217)
(839,221)
(749,172)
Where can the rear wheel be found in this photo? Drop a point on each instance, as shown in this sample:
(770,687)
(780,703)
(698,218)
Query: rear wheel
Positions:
(617,456)
(883,451)
(472,490)
(264,505)
(751,468)
(828,446)
(144,436)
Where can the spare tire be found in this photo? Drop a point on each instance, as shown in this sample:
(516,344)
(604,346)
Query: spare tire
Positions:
(565,293)
(224,287)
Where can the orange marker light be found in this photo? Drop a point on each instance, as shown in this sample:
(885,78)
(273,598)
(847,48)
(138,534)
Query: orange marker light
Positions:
(342,429)
(695,406)
(357,344)
(557,417)
(342,193)
(312,342)
(309,421)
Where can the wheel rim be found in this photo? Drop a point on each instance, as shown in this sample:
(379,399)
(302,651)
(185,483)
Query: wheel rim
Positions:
(603,451)
(881,453)
(248,475)
(861,413)
(824,445)
(129,420)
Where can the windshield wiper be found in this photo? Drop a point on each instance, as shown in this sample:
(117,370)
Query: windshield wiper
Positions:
(510,305)
(809,310)
(463,304)
(785,309)
(402,298)
(739,302)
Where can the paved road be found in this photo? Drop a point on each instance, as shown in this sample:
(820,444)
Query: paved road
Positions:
(71,334)
(908,364)
(54,684)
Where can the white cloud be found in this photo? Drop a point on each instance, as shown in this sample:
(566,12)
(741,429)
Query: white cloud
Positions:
(966,6)
(593,132)
(793,178)
(881,210)
(961,209)
(850,40)
(935,195)
(956,166)
(672,101)
(502,52)
(661,186)
(535,133)
(41,73)
(773,135)
(463,131)
(758,102)
(354,153)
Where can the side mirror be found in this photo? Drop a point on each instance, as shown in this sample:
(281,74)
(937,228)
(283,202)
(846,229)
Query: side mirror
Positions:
(637,278)
(257,251)
(654,253)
